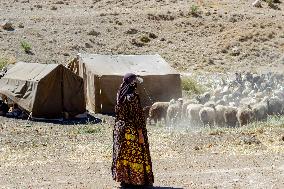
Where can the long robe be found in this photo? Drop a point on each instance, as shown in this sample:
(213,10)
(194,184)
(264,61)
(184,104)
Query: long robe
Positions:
(131,160)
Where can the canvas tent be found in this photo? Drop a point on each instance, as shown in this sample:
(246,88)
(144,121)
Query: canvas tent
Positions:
(103,75)
(46,90)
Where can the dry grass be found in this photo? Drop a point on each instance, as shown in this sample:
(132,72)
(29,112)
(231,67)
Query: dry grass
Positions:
(4,61)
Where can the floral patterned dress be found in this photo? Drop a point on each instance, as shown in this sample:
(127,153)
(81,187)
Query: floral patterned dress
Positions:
(131,160)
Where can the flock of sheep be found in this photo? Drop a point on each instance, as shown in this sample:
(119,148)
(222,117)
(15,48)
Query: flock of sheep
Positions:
(235,102)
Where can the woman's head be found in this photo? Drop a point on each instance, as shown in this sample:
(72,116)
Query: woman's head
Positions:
(128,86)
(129,78)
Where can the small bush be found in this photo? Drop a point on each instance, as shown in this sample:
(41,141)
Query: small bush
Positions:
(194,10)
(145,39)
(3,62)
(270,2)
(191,86)
(26,46)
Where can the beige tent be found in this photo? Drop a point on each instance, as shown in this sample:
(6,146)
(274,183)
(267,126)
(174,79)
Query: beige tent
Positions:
(103,75)
(46,90)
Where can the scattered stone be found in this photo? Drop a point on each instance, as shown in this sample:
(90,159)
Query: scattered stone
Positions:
(21,25)
(131,31)
(118,23)
(211,61)
(137,43)
(235,51)
(94,33)
(53,8)
(8,26)
(59,2)
(38,6)
(257,4)
(197,148)
(162,39)
(207,13)
(153,36)
(88,45)
(249,140)
(145,39)
(224,51)
(66,54)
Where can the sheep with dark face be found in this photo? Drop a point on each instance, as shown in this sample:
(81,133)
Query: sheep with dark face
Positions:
(202,99)
(245,115)
(158,111)
(275,106)
(207,116)
(230,116)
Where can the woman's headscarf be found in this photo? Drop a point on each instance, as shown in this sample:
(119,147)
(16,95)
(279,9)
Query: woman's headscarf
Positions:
(126,87)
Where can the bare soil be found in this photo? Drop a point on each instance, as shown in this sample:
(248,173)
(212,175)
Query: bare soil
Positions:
(47,155)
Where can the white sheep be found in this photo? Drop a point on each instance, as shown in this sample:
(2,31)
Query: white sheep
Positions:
(174,112)
(193,113)
(220,110)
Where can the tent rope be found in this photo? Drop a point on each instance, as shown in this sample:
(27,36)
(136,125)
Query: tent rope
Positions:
(147,94)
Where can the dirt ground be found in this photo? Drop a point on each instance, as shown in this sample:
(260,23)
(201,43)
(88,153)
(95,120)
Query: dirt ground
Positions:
(47,155)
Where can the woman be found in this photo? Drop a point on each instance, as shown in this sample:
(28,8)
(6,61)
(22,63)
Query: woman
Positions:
(131,156)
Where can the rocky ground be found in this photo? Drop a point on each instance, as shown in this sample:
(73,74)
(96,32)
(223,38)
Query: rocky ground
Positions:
(46,155)
(216,36)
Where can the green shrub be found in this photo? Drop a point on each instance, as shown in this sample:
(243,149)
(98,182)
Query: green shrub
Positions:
(26,46)
(191,86)
(3,62)
(145,39)
(194,10)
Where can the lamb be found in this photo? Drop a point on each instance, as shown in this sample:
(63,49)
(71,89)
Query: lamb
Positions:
(230,116)
(193,113)
(207,115)
(158,111)
(174,112)
(245,115)
(220,110)
(184,107)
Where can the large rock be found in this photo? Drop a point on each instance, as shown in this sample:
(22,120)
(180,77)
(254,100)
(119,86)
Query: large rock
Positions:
(7,25)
